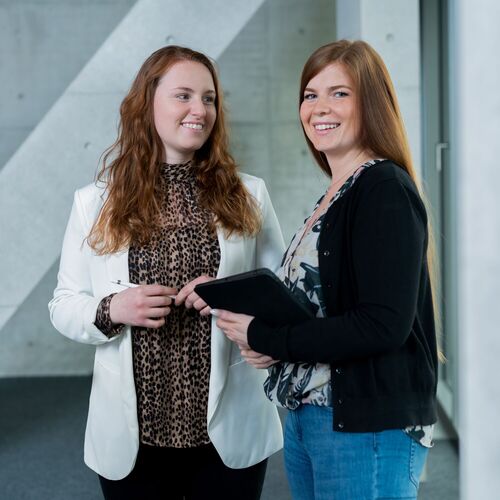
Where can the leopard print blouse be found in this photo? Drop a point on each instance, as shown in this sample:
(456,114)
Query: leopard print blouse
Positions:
(172,363)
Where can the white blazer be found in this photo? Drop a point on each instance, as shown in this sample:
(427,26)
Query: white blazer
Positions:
(242,424)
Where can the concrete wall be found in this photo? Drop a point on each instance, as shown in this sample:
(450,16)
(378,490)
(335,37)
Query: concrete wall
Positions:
(35,198)
(43,46)
(260,72)
(392,28)
(476,129)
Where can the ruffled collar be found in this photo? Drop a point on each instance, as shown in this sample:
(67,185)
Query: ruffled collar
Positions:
(178,172)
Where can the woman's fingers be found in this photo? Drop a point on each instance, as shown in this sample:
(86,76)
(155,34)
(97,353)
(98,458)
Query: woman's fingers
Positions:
(158,301)
(199,304)
(234,326)
(191,299)
(158,312)
(261,363)
(153,323)
(251,354)
(187,290)
(206,311)
(184,293)
(156,290)
(256,359)
(145,305)
(226,317)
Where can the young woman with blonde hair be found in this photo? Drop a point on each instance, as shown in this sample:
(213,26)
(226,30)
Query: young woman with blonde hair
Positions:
(359,379)
(169,391)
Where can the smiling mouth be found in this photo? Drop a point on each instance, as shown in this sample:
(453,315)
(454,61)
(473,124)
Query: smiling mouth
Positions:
(193,126)
(326,126)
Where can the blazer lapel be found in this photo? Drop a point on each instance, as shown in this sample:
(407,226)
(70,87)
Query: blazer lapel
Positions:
(232,252)
(117,268)
(220,346)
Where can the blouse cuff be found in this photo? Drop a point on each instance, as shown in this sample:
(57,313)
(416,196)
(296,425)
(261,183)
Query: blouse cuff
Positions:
(103,319)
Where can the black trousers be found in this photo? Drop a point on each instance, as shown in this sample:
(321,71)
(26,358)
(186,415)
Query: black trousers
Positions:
(185,474)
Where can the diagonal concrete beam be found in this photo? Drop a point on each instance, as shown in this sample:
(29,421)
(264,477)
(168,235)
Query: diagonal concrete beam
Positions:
(61,154)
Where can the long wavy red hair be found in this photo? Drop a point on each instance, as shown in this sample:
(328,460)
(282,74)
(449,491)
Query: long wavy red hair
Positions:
(130,167)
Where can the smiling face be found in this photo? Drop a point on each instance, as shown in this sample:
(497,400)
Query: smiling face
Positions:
(329,113)
(184,109)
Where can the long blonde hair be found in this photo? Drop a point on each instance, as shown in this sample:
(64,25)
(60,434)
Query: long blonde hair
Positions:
(130,167)
(382,129)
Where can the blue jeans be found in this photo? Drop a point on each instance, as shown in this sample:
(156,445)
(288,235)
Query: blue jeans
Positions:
(323,464)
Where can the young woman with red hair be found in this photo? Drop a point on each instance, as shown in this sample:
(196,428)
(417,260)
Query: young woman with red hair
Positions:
(360,378)
(174,411)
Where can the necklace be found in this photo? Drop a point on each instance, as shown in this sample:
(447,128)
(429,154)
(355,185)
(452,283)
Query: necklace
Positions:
(344,177)
(326,201)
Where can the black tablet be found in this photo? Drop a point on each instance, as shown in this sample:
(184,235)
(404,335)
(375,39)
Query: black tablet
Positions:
(258,293)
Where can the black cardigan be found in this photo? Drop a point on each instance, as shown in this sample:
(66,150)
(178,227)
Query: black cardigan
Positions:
(379,334)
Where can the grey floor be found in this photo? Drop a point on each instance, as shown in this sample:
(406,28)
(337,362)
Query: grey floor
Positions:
(42,422)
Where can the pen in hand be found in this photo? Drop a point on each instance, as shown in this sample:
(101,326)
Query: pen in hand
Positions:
(126,284)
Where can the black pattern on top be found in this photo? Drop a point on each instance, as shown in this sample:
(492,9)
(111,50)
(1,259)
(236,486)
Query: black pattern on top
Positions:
(172,363)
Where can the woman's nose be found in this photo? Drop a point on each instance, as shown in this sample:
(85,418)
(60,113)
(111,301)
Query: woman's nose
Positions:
(321,107)
(198,108)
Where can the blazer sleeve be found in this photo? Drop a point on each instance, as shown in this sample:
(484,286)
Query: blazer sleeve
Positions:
(270,245)
(389,238)
(74,306)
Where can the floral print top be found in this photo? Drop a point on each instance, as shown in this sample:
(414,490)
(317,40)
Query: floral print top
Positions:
(291,384)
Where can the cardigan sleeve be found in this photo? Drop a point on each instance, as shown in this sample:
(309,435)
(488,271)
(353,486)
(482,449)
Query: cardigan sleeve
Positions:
(389,238)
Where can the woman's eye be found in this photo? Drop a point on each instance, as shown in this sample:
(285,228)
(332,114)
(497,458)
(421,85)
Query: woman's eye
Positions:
(209,99)
(182,97)
(309,97)
(340,93)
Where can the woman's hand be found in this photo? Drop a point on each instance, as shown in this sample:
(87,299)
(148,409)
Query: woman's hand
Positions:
(144,305)
(256,359)
(190,298)
(234,326)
